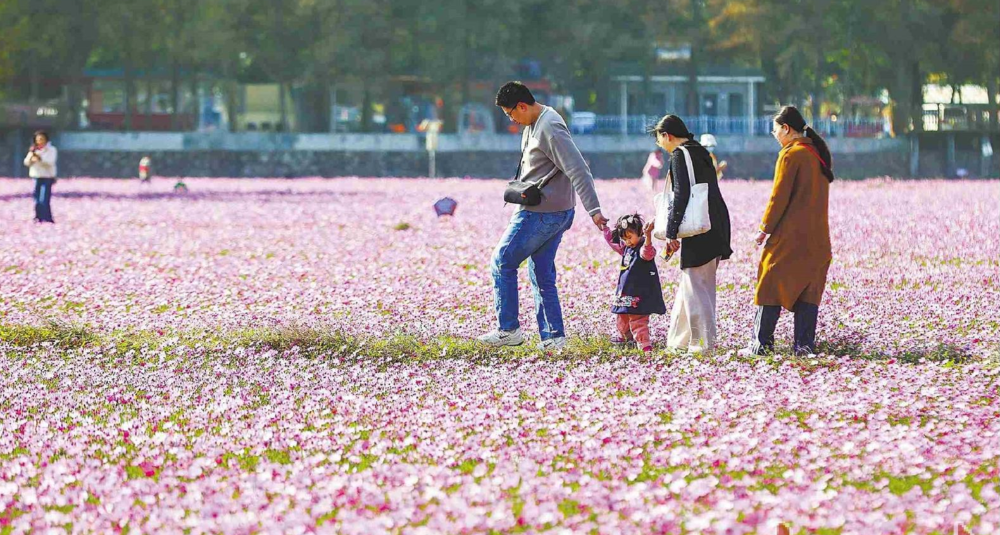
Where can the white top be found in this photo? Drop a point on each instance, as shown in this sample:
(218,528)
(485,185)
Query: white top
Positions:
(46,167)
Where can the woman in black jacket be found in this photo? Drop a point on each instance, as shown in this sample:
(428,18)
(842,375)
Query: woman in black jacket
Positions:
(692,321)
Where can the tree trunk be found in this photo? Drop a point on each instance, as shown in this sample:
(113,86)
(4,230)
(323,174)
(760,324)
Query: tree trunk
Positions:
(601,87)
(283,123)
(81,41)
(366,109)
(466,58)
(817,90)
(917,97)
(175,95)
(73,104)
(279,27)
(149,102)
(692,88)
(195,105)
(180,10)
(899,94)
(323,124)
(994,107)
(692,82)
(34,79)
(795,89)
(129,95)
(900,119)
(644,90)
(450,114)
(229,90)
(318,99)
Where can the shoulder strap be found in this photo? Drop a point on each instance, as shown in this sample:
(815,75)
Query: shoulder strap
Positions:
(520,161)
(812,149)
(690,165)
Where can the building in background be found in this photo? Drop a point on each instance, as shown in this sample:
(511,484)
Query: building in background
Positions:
(259,109)
(152,109)
(728,98)
(967,109)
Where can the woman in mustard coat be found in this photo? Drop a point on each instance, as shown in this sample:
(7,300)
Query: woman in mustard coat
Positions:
(796,227)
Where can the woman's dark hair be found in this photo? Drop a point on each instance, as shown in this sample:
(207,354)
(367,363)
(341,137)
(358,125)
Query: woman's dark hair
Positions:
(673,125)
(513,93)
(631,222)
(790,115)
(42,133)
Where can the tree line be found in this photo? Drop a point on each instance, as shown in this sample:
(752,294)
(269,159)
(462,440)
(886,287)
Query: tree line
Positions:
(810,51)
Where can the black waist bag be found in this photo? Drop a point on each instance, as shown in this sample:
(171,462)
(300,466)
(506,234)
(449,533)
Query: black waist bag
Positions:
(525,193)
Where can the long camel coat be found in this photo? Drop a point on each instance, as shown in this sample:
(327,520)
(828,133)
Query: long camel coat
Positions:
(797,254)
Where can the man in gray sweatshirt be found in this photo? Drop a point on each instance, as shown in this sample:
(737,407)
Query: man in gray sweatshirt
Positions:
(534,232)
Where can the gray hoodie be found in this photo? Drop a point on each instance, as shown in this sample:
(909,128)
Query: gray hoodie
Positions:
(549,151)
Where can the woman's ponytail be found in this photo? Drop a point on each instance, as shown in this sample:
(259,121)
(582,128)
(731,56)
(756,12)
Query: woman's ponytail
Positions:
(823,150)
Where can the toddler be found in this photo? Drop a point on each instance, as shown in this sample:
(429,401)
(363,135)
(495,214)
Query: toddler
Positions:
(638,294)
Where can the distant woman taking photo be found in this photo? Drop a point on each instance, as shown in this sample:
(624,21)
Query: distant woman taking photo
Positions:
(41,164)
(796,229)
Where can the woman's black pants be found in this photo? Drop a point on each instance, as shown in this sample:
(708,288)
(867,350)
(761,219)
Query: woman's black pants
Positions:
(766,320)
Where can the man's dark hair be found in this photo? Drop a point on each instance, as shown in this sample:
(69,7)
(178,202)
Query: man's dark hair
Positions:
(42,133)
(512,94)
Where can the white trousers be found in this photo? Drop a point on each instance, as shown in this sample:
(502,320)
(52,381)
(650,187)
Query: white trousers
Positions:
(692,320)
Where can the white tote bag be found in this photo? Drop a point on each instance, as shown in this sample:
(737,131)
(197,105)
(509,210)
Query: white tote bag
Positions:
(696,219)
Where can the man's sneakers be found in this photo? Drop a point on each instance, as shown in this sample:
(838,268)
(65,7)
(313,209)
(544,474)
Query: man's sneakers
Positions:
(553,344)
(503,338)
(516,338)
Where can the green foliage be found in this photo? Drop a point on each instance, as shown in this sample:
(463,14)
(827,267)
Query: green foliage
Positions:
(131,344)
(827,49)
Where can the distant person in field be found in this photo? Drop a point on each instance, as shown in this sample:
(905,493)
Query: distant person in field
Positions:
(145,169)
(651,171)
(796,229)
(41,164)
(638,293)
(708,141)
(534,232)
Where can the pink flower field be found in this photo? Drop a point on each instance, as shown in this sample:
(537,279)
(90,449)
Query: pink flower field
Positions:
(167,415)
(915,263)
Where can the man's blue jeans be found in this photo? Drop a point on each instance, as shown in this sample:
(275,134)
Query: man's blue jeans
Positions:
(534,237)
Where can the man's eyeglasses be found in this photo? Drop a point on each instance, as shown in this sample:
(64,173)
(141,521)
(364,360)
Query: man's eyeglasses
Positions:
(507,113)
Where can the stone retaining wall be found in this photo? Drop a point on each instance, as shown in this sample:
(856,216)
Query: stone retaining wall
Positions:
(116,155)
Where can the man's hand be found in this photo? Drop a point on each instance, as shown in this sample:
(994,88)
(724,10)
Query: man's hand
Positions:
(648,231)
(672,246)
(759,240)
(600,220)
